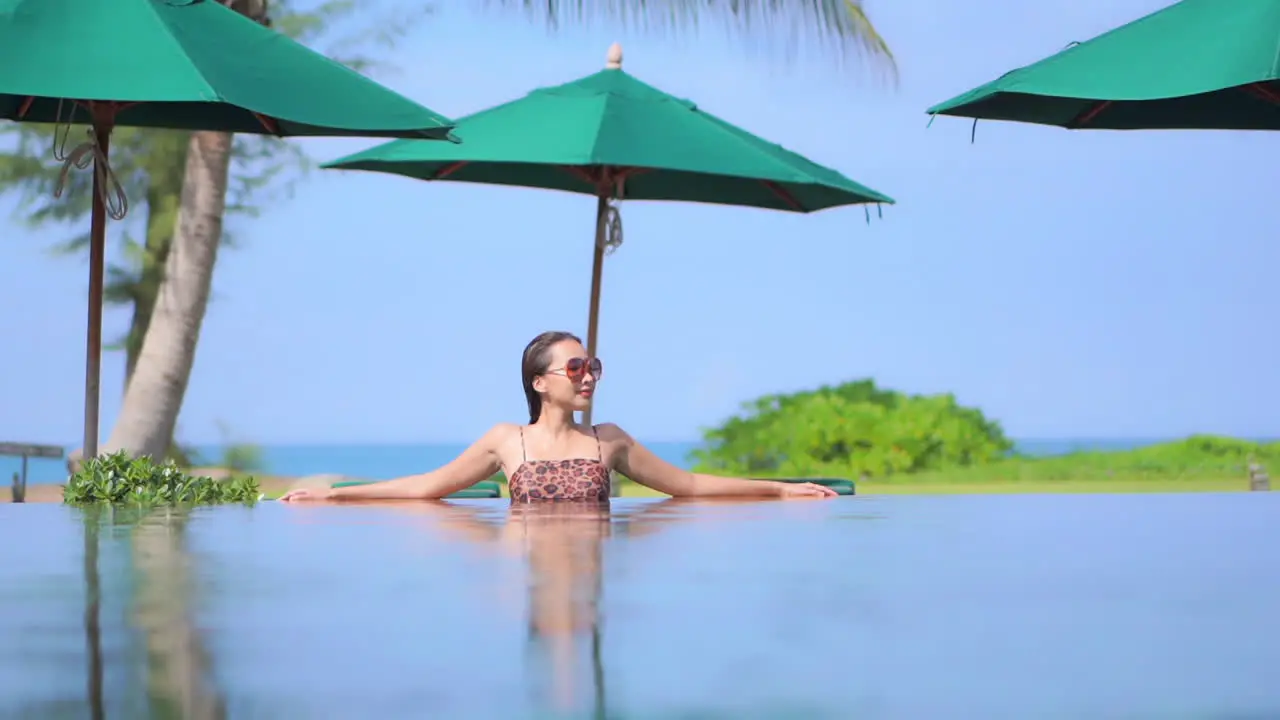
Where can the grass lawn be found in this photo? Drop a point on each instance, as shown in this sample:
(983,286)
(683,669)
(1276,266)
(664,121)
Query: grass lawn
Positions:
(1117,485)
(938,486)
(1195,464)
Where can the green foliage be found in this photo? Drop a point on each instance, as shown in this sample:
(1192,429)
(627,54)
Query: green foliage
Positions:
(841,26)
(1227,450)
(242,458)
(850,430)
(119,479)
(149,164)
(180,455)
(1199,457)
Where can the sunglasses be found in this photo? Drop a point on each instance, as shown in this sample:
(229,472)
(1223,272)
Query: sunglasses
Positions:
(576,368)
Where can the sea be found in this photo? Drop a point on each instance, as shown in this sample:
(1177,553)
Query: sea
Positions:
(380,462)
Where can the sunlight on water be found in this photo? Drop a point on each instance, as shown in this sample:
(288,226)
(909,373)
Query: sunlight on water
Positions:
(984,606)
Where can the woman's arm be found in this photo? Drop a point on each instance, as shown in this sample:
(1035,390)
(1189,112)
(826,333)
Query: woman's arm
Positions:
(640,464)
(476,463)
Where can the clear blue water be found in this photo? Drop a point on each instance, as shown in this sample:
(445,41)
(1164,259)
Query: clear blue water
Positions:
(1034,606)
(378,462)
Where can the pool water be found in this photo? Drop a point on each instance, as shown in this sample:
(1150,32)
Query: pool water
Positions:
(1035,606)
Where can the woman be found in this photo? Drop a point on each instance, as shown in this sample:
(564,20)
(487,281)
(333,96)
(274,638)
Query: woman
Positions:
(553,457)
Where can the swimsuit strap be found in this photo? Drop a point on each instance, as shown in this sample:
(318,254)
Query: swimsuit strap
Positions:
(524,457)
(599,450)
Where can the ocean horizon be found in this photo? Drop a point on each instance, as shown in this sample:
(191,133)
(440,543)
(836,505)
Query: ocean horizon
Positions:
(374,461)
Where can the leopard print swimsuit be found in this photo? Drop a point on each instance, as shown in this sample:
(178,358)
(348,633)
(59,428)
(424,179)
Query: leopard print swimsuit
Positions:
(576,479)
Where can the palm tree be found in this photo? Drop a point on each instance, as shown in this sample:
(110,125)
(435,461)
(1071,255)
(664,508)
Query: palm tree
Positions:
(179,664)
(179,678)
(154,395)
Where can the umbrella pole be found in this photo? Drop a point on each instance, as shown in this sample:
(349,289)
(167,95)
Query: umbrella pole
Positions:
(597,268)
(97,262)
(93,612)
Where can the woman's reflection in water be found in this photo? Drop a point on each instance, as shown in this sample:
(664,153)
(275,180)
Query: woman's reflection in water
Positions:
(563,546)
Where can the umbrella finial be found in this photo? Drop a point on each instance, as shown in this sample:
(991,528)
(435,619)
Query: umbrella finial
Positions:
(613,61)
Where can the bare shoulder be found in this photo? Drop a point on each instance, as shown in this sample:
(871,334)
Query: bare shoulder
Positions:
(504,429)
(612,434)
(502,432)
(614,444)
(499,436)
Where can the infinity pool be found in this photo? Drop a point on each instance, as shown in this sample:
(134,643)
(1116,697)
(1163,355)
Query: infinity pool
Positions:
(1071,606)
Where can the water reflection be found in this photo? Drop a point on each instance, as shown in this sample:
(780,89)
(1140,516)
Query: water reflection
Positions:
(1161,606)
(562,545)
(177,667)
(93,614)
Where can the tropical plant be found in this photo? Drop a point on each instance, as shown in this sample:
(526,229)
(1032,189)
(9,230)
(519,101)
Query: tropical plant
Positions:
(238,457)
(851,430)
(149,164)
(1196,462)
(242,458)
(154,397)
(119,479)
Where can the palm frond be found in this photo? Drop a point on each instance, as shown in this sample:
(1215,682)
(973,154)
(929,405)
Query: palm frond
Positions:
(231,240)
(839,27)
(74,245)
(122,285)
(868,37)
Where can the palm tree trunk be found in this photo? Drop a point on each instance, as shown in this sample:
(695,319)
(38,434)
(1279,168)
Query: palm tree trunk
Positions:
(158,382)
(160,227)
(154,395)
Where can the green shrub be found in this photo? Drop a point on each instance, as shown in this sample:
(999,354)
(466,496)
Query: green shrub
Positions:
(850,430)
(119,479)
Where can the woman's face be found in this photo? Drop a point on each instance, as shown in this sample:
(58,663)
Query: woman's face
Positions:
(570,378)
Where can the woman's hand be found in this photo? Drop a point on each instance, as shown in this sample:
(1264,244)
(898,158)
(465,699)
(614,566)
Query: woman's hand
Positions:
(305,494)
(789,491)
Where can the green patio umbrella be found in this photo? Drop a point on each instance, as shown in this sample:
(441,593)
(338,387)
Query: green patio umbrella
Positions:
(614,137)
(1196,64)
(182,64)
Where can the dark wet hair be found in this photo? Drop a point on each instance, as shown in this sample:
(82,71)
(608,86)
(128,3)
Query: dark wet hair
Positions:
(535,361)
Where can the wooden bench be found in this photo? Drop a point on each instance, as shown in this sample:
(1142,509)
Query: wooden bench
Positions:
(24,451)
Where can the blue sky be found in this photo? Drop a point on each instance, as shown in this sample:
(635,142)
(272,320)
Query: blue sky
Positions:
(1095,284)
